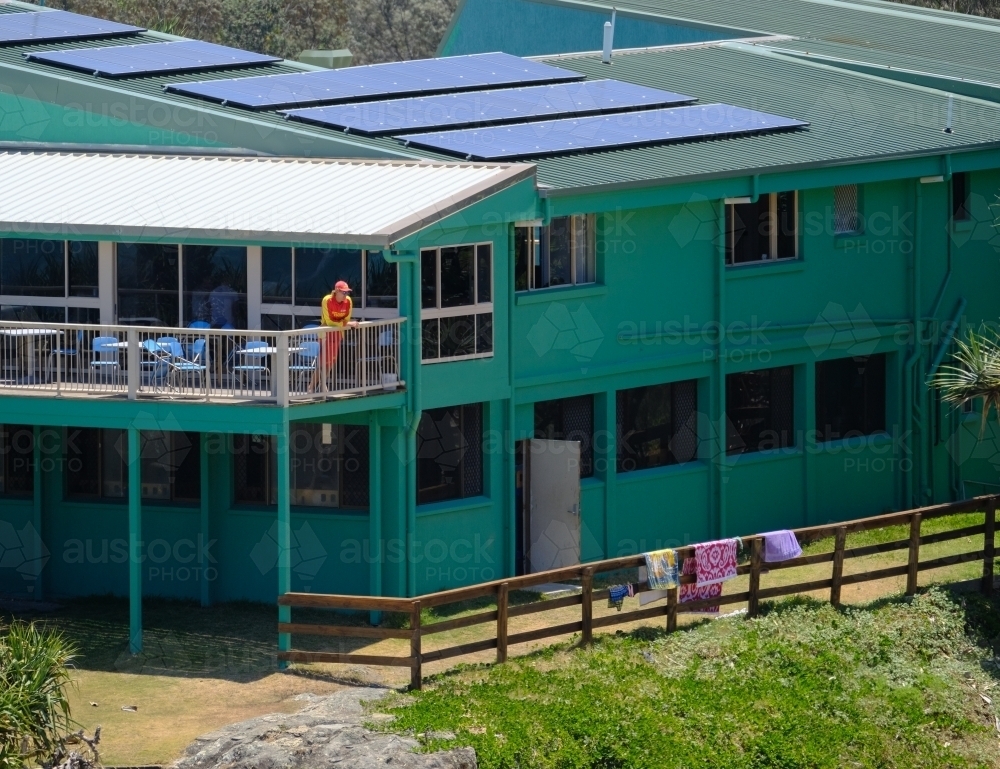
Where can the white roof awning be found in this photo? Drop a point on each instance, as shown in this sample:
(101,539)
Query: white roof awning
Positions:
(302,200)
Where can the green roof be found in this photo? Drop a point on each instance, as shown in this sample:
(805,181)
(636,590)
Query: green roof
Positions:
(854,117)
(942,43)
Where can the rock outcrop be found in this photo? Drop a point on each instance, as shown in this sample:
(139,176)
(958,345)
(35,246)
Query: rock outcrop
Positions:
(327,733)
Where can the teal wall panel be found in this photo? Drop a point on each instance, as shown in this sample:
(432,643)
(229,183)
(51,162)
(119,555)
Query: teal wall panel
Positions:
(654,509)
(528,28)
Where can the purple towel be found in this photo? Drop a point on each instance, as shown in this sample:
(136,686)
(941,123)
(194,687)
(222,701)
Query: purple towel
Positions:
(780,546)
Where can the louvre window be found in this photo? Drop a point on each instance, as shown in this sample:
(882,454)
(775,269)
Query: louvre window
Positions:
(657,425)
(960,197)
(561,254)
(846,210)
(450,453)
(328,465)
(457,302)
(850,397)
(17,464)
(569,419)
(759,410)
(762,231)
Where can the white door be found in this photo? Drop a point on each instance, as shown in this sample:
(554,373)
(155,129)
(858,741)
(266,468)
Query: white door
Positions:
(554,504)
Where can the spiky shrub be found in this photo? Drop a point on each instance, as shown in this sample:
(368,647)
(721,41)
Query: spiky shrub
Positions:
(34,708)
(973,373)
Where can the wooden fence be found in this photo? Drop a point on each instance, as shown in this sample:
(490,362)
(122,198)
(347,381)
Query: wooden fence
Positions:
(500,589)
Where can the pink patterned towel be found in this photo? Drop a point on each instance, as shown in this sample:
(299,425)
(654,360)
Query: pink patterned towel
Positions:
(716,561)
(695,592)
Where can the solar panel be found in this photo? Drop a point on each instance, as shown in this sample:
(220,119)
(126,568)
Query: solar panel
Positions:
(45,26)
(627,129)
(372,81)
(508,105)
(151,58)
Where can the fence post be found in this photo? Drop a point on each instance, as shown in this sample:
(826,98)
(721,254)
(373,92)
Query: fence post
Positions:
(756,558)
(914,558)
(588,606)
(989,549)
(671,609)
(838,564)
(502,592)
(415,671)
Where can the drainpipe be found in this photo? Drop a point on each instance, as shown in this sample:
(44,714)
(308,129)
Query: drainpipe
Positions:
(909,378)
(720,364)
(509,519)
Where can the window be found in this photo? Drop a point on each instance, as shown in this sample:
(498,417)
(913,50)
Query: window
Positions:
(562,254)
(17,464)
(850,397)
(170,466)
(762,231)
(846,210)
(148,287)
(294,282)
(96,463)
(151,291)
(328,465)
(456,289)
(569,419)
(450,453)
(960,197)
(215,285)
(657,425)
(53,280)
(759,410)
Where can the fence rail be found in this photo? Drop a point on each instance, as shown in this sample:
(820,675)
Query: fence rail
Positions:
(215,365)
(501,640)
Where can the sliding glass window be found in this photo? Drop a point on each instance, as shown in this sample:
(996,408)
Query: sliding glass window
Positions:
(51,281)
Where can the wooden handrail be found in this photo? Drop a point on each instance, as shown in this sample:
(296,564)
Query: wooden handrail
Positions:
(500,589)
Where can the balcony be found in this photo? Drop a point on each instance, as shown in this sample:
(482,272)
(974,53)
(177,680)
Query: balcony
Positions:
(207,365)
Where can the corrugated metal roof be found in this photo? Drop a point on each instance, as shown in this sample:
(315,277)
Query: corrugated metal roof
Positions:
(935,36)
(373,203)
(852,117)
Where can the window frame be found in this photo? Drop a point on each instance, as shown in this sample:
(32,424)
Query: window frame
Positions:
(67,301)
(730,424)
(475,309)
(587,451)
(460,468)
(535,234)
(673,427)
(730,246)
(7,431)
(961,207)
(821,436)
(311,313)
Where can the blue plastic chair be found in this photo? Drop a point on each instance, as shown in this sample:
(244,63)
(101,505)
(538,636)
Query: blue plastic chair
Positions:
(70,354)
(250,365)
(303,363)
(104,359)
(182,367)
(199,324)
(155,363)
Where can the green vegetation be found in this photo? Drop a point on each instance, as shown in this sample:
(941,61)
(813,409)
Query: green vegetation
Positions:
(34,709)
(973,373)
(896,683)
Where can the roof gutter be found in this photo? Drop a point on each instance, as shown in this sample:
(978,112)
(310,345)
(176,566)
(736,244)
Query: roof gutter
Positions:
(131,149)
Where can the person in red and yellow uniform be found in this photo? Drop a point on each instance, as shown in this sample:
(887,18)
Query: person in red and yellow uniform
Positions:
(336,309)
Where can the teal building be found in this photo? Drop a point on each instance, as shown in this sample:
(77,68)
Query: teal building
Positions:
(564,357)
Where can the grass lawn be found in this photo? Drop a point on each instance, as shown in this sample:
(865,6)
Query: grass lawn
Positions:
(894,683)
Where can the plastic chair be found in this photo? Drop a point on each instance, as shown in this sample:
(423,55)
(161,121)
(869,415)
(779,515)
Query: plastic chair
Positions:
(104,359)
(155,363)
(70,354)
(303,363)
(253,364)
(181,367)
(199,324)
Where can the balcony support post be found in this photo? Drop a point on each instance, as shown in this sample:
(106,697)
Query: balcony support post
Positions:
(134,541)
(284,532)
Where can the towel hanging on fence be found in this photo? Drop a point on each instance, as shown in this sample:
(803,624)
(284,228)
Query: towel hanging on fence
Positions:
(696,591)
(780,546)
(617,595)
(715,561)
(661,569)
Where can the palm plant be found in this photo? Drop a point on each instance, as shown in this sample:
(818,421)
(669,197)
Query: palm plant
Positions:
(34,707)
(973,373)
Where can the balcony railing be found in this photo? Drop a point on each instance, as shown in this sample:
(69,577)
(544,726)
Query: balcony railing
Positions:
(278,367)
